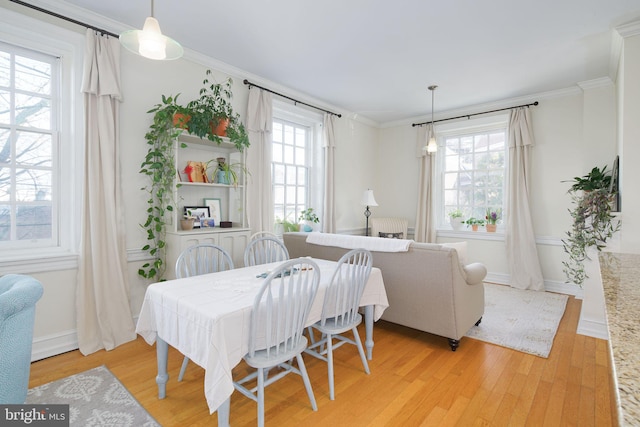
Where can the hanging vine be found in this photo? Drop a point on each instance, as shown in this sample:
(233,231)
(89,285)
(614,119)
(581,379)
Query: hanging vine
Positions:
(159,167)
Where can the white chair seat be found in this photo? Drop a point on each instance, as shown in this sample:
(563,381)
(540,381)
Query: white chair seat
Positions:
(261,359)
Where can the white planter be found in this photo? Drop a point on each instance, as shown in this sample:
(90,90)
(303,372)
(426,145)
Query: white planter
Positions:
(456,223)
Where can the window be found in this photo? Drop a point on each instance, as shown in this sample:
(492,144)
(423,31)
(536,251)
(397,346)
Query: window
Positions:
(41,148)
(473,170)
(297,162)
(28,144)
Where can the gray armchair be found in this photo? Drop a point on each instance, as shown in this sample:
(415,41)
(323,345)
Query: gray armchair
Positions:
(18,297)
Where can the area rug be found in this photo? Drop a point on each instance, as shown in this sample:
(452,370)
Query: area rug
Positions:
(95,398)
(526,321)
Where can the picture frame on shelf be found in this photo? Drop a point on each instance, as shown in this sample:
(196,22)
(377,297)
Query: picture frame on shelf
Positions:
(198,212)
(215,209)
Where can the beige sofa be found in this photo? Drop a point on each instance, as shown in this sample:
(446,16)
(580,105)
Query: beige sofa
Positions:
(427,286)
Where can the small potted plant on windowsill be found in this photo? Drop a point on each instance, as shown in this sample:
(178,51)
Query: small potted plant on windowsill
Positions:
(492,217)
(474,223)
(308,220)
(456,219)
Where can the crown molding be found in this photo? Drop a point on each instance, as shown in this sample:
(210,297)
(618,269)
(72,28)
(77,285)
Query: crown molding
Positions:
(595,83)
(629,29)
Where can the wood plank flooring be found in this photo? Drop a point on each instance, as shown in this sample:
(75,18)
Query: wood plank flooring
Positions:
(415,381)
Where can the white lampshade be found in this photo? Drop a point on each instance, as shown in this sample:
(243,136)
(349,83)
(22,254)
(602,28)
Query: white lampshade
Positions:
(368,199)
(149,42)
(432,146)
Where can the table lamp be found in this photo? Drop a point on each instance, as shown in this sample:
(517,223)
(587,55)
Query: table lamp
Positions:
(368,200)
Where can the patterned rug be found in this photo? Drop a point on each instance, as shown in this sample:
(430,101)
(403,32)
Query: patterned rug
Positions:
(526,321)
(95,398)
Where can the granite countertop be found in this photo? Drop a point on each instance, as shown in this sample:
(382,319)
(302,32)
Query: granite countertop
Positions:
(621,283)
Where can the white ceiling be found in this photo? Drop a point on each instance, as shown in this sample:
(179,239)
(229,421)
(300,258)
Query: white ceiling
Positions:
(376,58)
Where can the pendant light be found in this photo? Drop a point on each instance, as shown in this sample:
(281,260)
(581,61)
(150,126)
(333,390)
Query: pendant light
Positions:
(432,146)
(149,42)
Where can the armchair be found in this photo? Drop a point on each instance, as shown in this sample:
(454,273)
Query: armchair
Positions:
(18,297)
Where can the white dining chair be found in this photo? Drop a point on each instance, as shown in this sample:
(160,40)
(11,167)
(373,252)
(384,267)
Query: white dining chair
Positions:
(201,259)
(276,330)
(263,250)
(259,234)
(340,310)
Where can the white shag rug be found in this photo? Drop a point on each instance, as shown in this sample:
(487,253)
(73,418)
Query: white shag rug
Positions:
(95,398)
(523,320)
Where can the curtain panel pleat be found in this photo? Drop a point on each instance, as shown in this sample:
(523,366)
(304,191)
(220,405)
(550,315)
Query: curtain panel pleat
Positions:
(104,318)
(425,229)
(329,146)
(259,155)
(520,240)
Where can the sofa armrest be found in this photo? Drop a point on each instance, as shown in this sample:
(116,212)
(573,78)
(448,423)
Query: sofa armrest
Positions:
(475,273)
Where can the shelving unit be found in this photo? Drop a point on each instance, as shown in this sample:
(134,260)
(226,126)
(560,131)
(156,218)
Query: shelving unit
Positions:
(232,200)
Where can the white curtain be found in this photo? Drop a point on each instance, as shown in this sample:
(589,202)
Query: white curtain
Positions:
(104,318)
(425,230)
(329,145)
(258,186)
(522,253)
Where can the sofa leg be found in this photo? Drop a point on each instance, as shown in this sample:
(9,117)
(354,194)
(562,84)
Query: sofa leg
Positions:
(453,344)
(478,322)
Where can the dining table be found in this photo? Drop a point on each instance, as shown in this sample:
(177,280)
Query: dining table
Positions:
(206,318)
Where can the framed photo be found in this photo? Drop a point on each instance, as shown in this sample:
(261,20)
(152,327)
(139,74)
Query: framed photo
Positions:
(199,212)
(215,209)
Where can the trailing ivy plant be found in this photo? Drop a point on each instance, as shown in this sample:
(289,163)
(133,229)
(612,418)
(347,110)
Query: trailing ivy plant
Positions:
(159,167)
(592,223)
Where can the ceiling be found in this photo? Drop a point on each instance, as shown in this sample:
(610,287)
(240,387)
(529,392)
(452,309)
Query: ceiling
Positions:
(376,58)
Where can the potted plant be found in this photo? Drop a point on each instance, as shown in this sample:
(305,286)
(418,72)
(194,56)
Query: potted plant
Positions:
(284,226)
(227,173)
(492,217)
(308,220)
(455,219)
(474,223)
(592,224)
(211,115)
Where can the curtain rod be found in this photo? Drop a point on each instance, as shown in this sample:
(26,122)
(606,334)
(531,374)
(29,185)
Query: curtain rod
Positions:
(248,83)
(66,18)
(474,114)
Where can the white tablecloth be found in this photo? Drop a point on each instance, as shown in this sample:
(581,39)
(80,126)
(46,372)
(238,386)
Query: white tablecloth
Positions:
(207,318)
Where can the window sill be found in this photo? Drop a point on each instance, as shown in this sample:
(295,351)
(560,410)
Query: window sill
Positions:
(481,234)
(38,261)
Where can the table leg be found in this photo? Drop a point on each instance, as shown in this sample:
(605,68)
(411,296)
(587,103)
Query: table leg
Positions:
(162,354)
(368,328)
(223,413)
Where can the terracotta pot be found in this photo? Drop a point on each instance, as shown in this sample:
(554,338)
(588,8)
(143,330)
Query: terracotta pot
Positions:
(491,228)
(181,120)
(474,227)
(221,129)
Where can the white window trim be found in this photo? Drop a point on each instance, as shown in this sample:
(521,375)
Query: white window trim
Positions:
(68,46)
(312,119)
(479,124)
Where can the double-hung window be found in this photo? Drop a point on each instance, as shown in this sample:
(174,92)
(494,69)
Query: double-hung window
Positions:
(41,129)
(472,165)
(28,146)
(297,163)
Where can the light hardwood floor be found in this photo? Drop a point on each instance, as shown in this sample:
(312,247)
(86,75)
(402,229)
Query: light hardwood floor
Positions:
(415,380)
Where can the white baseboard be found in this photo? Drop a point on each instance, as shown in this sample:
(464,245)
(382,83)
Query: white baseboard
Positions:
(593,329)
(549,285)
(52,345)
